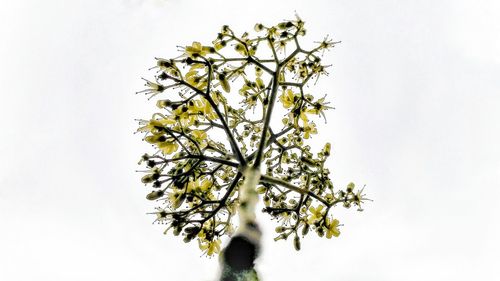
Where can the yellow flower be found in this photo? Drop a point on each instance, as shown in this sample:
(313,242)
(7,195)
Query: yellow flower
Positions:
(196,49)
(153,88)
(240,48)
(217,97)
(318,107)
(303,70)
(303,115)
(205,185)
(196,81)
(251,101)
(155,126)
(164,65)
(272,32)
(332,228)
(210,247)
(199,185)
(224,83)
(219,44)
(161,215)
(316,214)
(258,71)
(318,69)
(309,128)
(168,147)
(260,83)
(281,77)
(168,66)
(176,198)
(287,98)
(280,45)
(200,137)
(204,107)
(155,138)
(244,89)
(290,66)
(186,115)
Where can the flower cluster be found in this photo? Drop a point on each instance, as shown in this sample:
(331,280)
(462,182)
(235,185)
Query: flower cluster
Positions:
(220,124)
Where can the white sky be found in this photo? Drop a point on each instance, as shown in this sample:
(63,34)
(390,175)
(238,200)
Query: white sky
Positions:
(415,83)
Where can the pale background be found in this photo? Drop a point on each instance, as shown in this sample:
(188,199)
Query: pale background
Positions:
(416,88)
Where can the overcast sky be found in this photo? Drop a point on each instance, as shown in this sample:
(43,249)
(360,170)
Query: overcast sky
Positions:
(416,86)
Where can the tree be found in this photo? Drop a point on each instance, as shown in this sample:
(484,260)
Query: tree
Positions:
(210,149)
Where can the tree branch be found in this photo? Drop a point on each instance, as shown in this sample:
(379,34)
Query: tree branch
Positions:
(280,182)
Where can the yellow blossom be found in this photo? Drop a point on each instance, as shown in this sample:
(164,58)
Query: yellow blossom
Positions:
(318,107)
(186,115)
(240,48)
(309,128)
(219,45)
(176,198)
(251,100)
(155,138)
(287,98)
(224,83)
(332,228)
(161,215)
(154,88)
(303,115)
(168,147)
(168,66)
(204,107)
(258,71)
(199,185)
(196,49)
(260,83)
(156,126)
(272,32)
(316,214)
(196,81)
(210,247)
(200,137)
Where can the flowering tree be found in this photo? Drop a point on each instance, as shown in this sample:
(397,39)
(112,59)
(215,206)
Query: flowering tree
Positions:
(214,139)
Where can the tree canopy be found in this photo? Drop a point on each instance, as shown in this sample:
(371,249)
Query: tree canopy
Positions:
(215,103)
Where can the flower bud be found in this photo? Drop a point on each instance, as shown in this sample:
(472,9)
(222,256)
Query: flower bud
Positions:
(350,187)
(147,178)
(326,149)
(261,189)
(267,201)
(179,200)
(296,243)
(177,231)
(279,229)
(280,237)
(283,25)
(163,103)
(155,195)
(305,230)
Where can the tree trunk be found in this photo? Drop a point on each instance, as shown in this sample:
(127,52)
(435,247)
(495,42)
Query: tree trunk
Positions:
(238,258)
